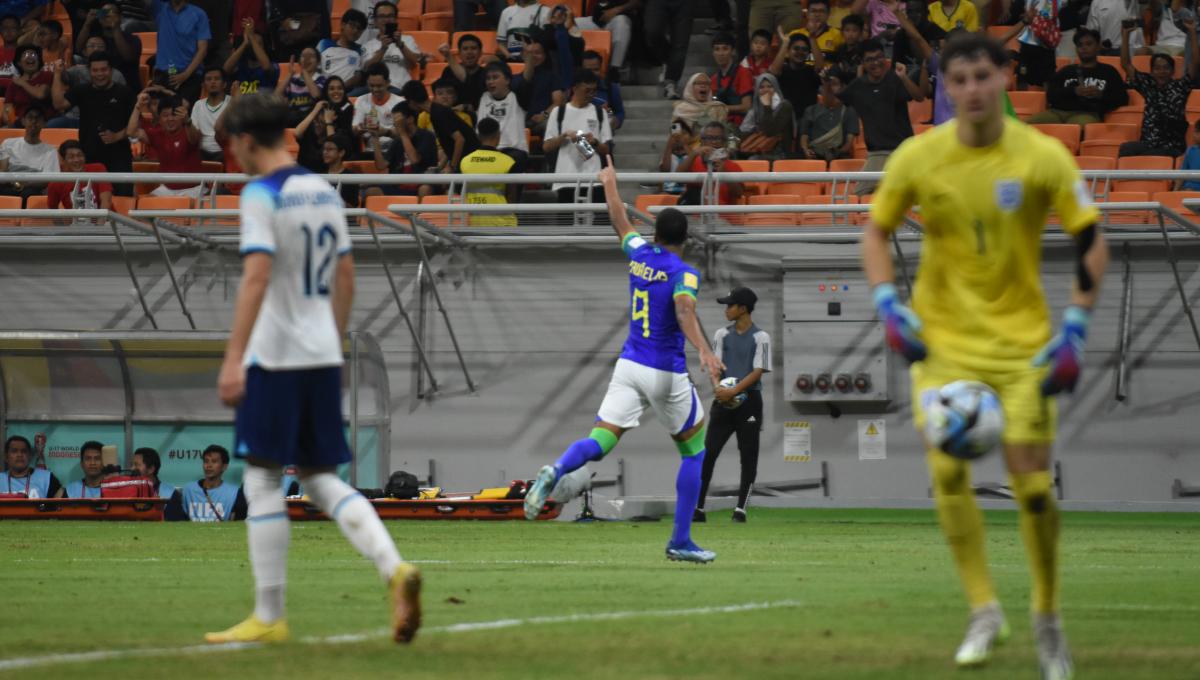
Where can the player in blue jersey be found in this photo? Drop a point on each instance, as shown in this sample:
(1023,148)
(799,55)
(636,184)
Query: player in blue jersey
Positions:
(283,366)
(652,370)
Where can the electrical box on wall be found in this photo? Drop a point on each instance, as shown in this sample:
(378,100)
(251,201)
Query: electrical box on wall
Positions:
(833,346)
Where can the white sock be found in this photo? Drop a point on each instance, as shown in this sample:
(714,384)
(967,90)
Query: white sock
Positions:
(357,519)
(267,529)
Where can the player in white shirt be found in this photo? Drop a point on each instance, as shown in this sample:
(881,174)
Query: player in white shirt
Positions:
(207,111)
(578,116)
(500,104)
(527,15)
(282,369)
(28,153)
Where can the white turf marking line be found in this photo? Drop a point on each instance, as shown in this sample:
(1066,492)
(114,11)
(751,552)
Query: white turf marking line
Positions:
(114,654)
(90,560)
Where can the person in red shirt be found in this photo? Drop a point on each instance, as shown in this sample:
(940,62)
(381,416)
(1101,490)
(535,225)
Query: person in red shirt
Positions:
(70,195)
(29,86)
(759,59)
(712,153)
(175,141)
(10,30)
(732,83)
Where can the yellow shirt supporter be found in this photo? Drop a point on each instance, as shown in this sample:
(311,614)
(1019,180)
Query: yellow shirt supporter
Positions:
(964,16)
(827,42)
(979,293)
(488,162)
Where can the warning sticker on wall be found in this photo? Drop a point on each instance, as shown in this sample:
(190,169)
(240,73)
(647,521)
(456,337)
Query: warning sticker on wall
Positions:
(872,440)
(797,441)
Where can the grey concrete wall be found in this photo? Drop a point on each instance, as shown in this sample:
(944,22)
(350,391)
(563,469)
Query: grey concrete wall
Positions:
(541,328)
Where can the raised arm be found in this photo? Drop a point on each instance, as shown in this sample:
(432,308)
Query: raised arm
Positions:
(134,127)
(1126,59)
(616,208)
(914,90)
(58,91)
(235,56)
(776,67)
(1190,26)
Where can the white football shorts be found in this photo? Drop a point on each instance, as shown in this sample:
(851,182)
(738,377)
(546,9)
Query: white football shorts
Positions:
(635,387)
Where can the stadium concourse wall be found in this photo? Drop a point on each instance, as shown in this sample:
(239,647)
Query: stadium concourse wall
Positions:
(541,327)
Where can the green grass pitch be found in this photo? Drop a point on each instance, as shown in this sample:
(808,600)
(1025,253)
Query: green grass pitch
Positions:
(864,594)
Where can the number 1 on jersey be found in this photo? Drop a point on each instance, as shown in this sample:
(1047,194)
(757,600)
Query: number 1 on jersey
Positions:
(642,314)
(319,252)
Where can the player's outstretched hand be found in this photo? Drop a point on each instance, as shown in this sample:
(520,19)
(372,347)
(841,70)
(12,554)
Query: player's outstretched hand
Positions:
(1064,353)
(712,365)
(901,324)
(231,383)
(608,175)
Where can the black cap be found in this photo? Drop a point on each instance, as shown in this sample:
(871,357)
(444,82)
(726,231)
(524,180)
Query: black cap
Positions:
(740,296)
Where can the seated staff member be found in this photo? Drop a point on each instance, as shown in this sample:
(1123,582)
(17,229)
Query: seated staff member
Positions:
(92,463)
(21,477)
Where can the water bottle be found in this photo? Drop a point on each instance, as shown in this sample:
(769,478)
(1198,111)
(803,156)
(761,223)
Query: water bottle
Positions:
(585,148)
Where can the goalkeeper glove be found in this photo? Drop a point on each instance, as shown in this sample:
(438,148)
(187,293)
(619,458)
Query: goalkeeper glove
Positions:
(1064,352)
(901,324)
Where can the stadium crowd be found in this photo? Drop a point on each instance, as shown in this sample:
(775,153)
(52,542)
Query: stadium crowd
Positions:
(208,499)
(429,86)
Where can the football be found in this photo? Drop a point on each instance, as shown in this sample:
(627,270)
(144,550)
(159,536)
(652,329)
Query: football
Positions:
(964,419)
(736,401)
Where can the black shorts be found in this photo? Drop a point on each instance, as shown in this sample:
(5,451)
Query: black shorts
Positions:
(1035,65)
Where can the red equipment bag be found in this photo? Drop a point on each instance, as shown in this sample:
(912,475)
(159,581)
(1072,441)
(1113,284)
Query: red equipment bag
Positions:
(127,487)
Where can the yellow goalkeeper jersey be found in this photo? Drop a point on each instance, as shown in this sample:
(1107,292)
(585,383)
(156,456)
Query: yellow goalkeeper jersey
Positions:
(978,290)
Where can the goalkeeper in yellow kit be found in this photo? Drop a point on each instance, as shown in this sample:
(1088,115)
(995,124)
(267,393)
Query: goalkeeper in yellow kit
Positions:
(984,184)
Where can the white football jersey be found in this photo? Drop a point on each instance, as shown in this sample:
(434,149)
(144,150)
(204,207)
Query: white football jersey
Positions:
(297,218)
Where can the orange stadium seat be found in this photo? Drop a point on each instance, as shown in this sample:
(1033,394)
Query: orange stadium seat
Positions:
(600,41)
(645,201)
(436,219)
(1068,134)
(808,219)
(488,38)
(1128,216)
(1026,104)
(1108,148)
(999,32)
(1132,113)
(408,15)
(379,204)
(148,167)
(860,147)
(363,167)
(429,42)
(433,71)
(56,136)
(1119,132)
(12,133)
(797,188)
(755,166)
(1150,186)
(920,112)
(10,203)
(1193,102)
(166,203)
(438,15)
(123,204)
(36,203)
(1174,200)
(774,219)
(1062,62)
(843,165)
(1114,62)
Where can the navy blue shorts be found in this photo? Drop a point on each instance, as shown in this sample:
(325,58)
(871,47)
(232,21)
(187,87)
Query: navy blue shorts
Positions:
(292,417)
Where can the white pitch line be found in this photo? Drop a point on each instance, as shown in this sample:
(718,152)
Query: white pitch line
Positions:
(114,654)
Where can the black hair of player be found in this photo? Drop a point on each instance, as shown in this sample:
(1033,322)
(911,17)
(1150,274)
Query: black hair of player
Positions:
(503,69)
(378,69)
(99,56)
(388,3)
(172,102)
(67,146)
(818,2)
(469,37)
(90,445)
(150,458)
(54,27)
(761,33)
(445,84)
(1081,33)
(799,37)
(353,16)
(213,68)
(12,17)
(487,128)
(414,91)
(217,448)
(263,116)
(972,46)
(724,38)
(591,54)
(35,110)
(854,20)
(670,227)
(17,438)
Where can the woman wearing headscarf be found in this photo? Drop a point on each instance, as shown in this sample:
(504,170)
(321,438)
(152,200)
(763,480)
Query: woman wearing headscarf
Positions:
(769,130)
(698,106)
